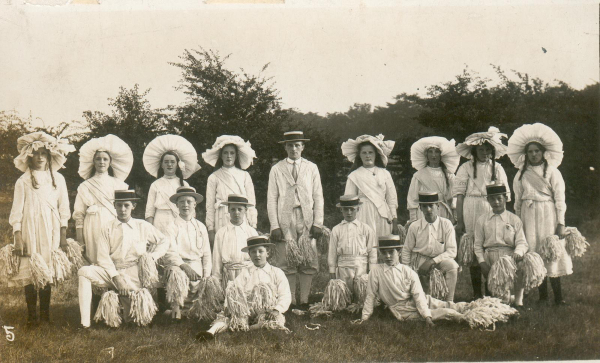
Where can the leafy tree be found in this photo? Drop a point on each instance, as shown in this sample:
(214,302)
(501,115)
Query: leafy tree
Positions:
(12,126)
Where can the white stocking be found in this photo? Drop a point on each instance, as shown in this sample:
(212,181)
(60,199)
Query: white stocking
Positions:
(85,300)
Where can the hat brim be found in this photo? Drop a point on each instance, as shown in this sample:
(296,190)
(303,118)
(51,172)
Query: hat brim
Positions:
(126,200)
(242,203)
(269,244)
(355,205)
(384,247)
(284,141)
(199,198)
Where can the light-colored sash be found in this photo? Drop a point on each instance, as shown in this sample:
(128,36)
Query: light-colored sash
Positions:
(290,195)
(375,195)
(104,198)
(478,183)
(538,183)
(230,182)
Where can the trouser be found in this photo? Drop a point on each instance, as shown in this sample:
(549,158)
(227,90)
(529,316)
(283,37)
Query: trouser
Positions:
(448,267)
(476,281)
(31,296)
(556,287)
(440,310)
(348,274)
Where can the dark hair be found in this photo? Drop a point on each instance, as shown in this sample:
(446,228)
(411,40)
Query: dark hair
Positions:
(34,182)
(358,161)
(543,149)
(474,154)
(236,163)
(178,171)
(443,166)
(110,170)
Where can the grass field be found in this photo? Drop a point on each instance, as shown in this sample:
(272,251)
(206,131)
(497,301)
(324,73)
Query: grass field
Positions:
(540,333)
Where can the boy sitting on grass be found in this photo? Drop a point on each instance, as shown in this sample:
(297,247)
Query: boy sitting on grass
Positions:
(261,272)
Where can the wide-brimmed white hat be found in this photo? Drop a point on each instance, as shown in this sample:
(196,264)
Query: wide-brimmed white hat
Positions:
(27,144)
(539,133)
(121,157)
(383,148)
(188,158)
(245,154)
(492,136)
(418,152)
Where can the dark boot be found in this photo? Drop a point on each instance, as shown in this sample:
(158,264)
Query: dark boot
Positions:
(475,272)
(161,299)
(31,300)
(557,288)
(45,294)
(543,291)
(95,302)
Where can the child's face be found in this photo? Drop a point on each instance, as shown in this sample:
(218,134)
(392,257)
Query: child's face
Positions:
(237,213)
(228,156)
(39,159)
(124,209)
(430,211)
(498,203)
(186,206)
(434,156)
(484,152)
(349,213)
(169,165)
(258,255)
(101,162)
(390,256)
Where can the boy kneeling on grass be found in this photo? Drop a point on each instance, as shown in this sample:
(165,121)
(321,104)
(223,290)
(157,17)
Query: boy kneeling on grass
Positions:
(261,273)
(500,233)
(398,286)
(122,243)
(351,244)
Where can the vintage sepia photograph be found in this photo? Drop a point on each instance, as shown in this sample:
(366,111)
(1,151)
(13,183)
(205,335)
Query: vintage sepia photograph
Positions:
(299,180)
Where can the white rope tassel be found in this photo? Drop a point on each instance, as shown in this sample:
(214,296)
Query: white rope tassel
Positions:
(40,272)
(9,262)
(75,254)
(61,266)
(465,250)
(437,284)
(337,296)
(109,309)
(236,306)
(262,299)
(209,299)
(178,286)
(550,248)
(143,307)
(147,271)
(533,270)
(502,275)
(576,243)
(485,312)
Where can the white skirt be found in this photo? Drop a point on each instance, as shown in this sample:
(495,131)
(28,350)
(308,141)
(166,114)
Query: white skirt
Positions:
(369,215)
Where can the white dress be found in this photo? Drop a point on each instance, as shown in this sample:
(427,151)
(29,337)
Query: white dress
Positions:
(377,192)
(475,203)
(220,184)
(430,180)
(39,214)
(158,204)
(94,208)
(541,209)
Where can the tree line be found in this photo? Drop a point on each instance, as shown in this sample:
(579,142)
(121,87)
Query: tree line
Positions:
(223,101)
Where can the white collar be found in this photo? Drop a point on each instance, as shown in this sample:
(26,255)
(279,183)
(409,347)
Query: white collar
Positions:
(503,215)
(297,161)
(267,268)
(128,223)
(435,223)
(355,222)
(184,221)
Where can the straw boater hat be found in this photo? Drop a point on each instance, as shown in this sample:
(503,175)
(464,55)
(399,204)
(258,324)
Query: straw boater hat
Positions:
(186,191)
(349,200)
(245,153)
(293,136)
(237,199)
(391,241)
(495,189)
(428,198)
(418,152)
(188,159)
(257,241)
(27,144)
(492,136)
(121,157)
(125,195)
(383,148)
(541,134)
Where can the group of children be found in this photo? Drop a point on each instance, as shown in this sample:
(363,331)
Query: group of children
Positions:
(122,252)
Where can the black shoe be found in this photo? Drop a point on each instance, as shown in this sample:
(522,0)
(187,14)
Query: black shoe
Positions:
(205,336)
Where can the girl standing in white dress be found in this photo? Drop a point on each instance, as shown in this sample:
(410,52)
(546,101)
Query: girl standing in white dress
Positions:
(231,156)
(373,184)
(39,215)
(482,148)
(540,197)
(104,163)
(436,160)
(170,159)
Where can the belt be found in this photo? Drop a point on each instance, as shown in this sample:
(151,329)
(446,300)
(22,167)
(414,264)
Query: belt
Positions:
(352,258)
(125,265)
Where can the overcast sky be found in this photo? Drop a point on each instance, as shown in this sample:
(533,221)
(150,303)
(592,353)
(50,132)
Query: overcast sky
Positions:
(57,62)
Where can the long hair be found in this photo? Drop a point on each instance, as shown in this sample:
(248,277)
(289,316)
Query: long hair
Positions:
(474,154)
(526,163)
(236,163)
(358,161)
(110,170)
(444,169)
(34,182)
(178,171)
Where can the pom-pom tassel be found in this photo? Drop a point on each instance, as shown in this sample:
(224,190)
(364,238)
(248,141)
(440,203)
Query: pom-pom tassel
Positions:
(9,262)
(237,308)
(502,276)
(323,241)
(437,283)
(271,324)
(550,248)
(148,273)
(109,309)
(465,250)
(143,307)
(61,266)
(262,299)
(293,253)
(209,299)
(178,285)
(306,249)
(360,289)
(485,312)
(337,296)
(75,254)
(40,272)
(533,270)
(576,244)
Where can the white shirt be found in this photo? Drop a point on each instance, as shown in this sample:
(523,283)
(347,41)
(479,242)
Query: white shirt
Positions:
(436,240)
(229,242)
(253,275)
(189,242)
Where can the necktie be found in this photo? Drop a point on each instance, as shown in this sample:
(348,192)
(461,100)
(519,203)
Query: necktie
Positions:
(295,171)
